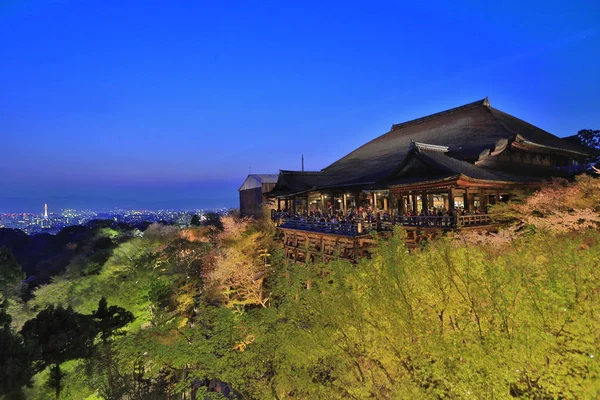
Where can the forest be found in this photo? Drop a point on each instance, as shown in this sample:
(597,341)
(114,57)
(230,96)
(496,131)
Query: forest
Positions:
(215,312)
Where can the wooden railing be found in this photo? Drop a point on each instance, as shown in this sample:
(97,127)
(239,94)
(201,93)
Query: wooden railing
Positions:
(342,228)
(362,226)
(473,219)
(429,221)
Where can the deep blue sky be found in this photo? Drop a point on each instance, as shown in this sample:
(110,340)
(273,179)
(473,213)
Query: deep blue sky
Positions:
(118,102)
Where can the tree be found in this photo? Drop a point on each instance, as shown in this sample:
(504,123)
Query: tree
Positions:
(108,320)
(590,138)
(195,220)
(15,364)
(57,335)
(213,219)
(10,270)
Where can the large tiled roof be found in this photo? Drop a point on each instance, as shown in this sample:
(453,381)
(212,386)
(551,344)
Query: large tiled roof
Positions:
(467,131)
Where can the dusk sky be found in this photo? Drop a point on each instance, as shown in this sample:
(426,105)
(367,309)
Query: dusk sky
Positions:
(170,103)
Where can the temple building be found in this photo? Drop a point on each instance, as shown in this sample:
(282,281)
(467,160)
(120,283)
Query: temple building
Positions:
(252,193)
(464,158)
(432,174)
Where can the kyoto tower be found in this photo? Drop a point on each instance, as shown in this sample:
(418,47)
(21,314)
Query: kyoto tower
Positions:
(45,211)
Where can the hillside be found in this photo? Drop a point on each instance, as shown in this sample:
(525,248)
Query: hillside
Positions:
(220,314)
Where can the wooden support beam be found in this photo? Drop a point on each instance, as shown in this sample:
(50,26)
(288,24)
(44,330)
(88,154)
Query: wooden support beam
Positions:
(414,203)
(482,200)
(345,203)
(450,199)
(469,200)
(401,205)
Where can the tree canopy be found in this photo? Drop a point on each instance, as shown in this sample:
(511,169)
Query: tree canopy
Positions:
(10,270)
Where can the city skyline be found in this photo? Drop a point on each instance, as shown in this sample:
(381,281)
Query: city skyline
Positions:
(170,105)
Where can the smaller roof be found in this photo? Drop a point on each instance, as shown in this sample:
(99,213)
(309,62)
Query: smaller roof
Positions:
(256,180)
(290,182)
(426,163)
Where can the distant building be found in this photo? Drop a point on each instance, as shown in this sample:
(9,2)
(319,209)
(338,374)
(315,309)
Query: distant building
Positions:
(252,193)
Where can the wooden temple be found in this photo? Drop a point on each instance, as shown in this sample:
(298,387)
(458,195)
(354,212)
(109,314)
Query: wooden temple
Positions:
(437,172)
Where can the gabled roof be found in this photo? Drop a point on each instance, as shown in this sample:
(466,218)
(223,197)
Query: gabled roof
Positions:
(290,182)
(424,164)
(467,130)
(256,180)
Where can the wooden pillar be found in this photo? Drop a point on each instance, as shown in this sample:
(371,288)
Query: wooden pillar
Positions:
(450,199)
(468,200)
(345,202)
(374,202)
(278,204)
(497,196)
(482,199)
(294,204)
(446,202)
(424,205)
(322,203)
(414,203)
(385,204)
(401,205)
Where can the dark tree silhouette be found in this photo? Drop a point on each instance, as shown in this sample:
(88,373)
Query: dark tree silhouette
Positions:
(195,220)
(10,270)
(15,364)
(5,318)
(110,319)
(57,335)
(213,219)
(590,138)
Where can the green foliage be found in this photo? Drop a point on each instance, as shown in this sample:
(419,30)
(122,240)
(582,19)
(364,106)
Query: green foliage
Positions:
(109,320)
(225,312)
(57,335)
(10,270)
(15,366)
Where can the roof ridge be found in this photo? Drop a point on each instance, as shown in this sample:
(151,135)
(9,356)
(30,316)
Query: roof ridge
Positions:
(484,102)
(299,172)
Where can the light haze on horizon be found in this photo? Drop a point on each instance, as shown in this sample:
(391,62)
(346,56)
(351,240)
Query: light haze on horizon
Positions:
(157,104)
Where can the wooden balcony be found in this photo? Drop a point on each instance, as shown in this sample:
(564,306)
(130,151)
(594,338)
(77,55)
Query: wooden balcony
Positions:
(306,241)
(362,226)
